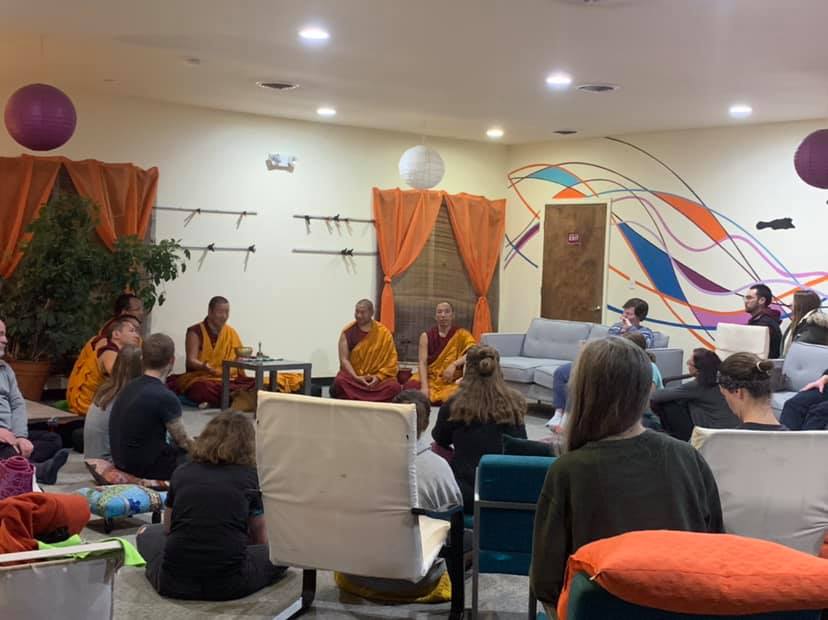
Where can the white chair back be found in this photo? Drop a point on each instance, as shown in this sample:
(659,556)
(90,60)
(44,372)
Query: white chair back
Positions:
(771,483)
(339,483)
(732,339)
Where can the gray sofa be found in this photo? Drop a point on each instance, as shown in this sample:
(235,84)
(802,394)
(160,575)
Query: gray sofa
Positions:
(803,363)
(529,360)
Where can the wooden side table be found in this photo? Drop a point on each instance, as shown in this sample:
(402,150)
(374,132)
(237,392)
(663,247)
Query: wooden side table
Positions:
(259,368)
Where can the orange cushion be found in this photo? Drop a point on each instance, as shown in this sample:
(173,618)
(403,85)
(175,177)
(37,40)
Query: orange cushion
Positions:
(692,573)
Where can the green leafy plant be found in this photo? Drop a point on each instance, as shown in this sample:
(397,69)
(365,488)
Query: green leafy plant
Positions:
(63,287)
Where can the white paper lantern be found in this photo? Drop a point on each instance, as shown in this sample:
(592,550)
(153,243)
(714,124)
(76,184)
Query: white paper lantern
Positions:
(422,167)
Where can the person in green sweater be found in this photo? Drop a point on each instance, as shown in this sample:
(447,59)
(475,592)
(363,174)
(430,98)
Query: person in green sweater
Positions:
(615,476)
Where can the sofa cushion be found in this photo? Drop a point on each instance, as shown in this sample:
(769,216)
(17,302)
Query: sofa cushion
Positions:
(522,369)
(804,363)
(660,340)
(543,374)
(597,332)
(555,339)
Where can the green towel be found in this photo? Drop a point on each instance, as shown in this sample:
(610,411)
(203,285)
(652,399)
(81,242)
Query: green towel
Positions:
(131,555)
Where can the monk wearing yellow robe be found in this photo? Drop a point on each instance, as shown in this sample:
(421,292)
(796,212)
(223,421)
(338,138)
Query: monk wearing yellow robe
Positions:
(94,364)
(367,359)
(442,355)
(208,344)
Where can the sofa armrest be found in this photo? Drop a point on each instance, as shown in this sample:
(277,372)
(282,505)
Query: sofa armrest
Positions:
(507,344)
(670,361)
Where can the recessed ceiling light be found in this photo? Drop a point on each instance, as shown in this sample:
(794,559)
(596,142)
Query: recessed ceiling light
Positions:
(740,110)
(277,85)
(326,111)
(494,133)
(314,33)
(558,80)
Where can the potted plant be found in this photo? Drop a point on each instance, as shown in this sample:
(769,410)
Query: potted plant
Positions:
(66,279)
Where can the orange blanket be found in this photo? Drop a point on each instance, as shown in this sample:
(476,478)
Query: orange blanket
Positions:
(25,517)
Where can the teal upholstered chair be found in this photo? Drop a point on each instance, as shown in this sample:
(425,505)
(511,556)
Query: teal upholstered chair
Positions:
(506,495)
(588,600)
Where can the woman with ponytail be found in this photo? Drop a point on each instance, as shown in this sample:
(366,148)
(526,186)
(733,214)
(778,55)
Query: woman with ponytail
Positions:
(475,419)
(745,382)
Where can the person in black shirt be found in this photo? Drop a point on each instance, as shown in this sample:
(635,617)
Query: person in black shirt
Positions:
(757,305)
(616,476)
(213,543)
(142,415)
(745,382)
(474,420)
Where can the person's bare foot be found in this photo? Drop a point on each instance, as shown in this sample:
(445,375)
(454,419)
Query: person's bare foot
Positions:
(203,405)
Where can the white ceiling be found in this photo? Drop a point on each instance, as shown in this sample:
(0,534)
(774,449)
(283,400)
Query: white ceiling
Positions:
(438,67)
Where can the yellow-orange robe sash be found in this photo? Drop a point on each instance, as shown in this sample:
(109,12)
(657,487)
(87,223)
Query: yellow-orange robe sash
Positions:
(438,389)
(376,353)
(85,379)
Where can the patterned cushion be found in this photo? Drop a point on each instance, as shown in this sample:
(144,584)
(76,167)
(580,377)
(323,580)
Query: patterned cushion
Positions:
(105,472)
(122,500)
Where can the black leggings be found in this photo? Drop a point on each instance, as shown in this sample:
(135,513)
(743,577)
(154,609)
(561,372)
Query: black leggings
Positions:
(44,446)
(256,572)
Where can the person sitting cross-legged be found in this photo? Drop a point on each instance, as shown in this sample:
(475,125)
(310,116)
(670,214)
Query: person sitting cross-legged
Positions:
(615,476)
(367,358)
(212,545)
(142,415)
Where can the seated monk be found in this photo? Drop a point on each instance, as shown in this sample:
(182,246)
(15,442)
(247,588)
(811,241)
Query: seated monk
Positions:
(367,358)
(95,362)
(442,355)
(208,344)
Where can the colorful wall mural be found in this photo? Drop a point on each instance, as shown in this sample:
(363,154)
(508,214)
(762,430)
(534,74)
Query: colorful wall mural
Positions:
(687,257)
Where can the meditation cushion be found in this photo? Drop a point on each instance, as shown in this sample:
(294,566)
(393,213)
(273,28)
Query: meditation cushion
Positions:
(694,573)
(104,472)
(122,500)
(16,476)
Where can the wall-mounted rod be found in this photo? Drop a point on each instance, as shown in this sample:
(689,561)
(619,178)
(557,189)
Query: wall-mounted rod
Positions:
(212,247)
(199,211)
(332,218)
(342,252)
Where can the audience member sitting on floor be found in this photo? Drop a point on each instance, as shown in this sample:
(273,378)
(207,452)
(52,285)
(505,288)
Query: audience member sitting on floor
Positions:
(94,364)
(635,311)
(43,448)
(96,426)
(474,420)
(441,356)
(213,542)
(808,324)
(616,476)
(649,419)
(367,359)
(808,410)
(745,382)
(757,305)
(698,402)
(208,345)
(142,415)
(436,490)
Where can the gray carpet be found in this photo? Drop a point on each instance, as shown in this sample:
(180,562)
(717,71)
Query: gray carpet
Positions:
(502,596)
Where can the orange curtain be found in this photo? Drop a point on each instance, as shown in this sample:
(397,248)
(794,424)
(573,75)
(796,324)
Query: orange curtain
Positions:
(25,185)
(124,193)
(479,226)
(404,221)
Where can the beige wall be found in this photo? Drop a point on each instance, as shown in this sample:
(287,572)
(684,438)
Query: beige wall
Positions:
(745,173)
(294,304)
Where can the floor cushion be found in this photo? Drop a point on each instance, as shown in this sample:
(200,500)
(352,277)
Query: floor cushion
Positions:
(104,472)
(123,500)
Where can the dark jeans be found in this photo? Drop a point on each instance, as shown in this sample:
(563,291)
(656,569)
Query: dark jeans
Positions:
(560,385)
(806,411)
(45,444)
(675,418)
(256,572)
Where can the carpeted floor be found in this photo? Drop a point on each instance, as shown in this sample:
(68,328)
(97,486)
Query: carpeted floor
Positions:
(502,596)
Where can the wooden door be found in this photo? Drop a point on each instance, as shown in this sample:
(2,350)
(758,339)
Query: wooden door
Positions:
(574,240)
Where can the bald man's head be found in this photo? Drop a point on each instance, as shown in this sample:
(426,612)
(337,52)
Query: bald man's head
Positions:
(364,312)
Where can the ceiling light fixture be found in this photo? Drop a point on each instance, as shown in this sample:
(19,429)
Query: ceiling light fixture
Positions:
(598,87)
(495,133)
(740,110)
(326,111)
(558,81)
(314,33)
(277,85)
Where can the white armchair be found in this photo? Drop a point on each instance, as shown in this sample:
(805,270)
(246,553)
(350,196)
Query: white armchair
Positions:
(339,488)
(732,339)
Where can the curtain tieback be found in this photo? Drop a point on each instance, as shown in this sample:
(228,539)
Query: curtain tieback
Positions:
(387,279)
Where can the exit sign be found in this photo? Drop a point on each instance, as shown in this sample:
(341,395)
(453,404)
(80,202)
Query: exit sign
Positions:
(573,238)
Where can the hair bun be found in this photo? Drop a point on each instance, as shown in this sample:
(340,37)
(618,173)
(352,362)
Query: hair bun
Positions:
(764,366)
(487,366)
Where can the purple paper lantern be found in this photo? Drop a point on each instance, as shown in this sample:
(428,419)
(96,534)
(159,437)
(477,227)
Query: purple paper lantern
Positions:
(40,117)
(811,159)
